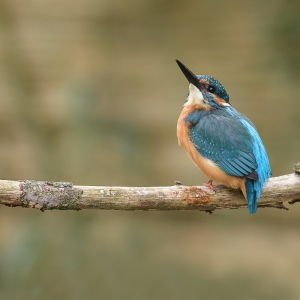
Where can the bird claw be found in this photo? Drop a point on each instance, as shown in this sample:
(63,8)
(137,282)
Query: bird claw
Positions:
(209,185)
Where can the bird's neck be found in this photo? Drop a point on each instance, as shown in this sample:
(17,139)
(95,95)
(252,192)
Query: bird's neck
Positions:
(191,107)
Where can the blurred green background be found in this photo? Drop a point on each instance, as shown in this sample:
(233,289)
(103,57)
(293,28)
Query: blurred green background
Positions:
(90,93)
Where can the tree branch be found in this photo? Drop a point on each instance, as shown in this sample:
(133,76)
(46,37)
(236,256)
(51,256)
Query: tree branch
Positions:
(45,195)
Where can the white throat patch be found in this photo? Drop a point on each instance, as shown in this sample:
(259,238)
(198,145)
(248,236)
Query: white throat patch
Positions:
(195,96)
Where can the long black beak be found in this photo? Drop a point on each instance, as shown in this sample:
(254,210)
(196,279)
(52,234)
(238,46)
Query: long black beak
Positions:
(190,76)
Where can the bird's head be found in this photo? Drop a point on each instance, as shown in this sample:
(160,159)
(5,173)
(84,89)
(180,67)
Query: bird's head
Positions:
(204,91)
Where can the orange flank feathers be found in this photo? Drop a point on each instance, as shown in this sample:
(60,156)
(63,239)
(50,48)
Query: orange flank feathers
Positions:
(207,166)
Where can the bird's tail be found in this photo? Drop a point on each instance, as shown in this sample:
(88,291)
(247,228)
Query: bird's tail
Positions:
(253,190)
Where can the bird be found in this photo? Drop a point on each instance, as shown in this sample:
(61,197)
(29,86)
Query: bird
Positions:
(221,141)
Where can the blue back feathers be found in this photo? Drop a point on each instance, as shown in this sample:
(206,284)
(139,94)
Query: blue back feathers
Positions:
(230,140)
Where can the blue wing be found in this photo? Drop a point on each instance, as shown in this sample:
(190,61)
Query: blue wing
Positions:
(222,138)
(230,140)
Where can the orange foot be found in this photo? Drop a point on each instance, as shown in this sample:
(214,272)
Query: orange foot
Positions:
(209,185)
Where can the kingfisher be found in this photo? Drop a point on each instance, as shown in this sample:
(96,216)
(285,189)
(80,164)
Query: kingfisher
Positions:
(222,142)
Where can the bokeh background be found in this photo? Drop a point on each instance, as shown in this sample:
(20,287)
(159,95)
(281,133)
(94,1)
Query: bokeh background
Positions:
(90,93)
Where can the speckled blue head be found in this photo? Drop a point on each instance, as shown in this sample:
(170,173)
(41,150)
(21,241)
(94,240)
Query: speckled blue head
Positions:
(214,85)
(212,91)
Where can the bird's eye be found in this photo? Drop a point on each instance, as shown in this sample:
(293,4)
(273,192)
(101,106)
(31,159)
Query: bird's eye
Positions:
(211,88)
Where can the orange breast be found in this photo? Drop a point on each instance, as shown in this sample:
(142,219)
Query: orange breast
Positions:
(207,166)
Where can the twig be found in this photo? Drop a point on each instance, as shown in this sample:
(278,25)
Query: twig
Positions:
(45,195)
